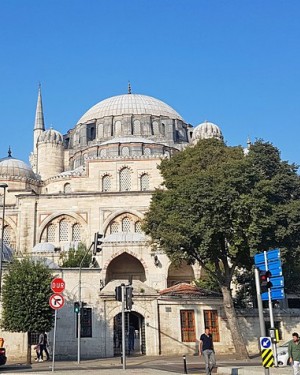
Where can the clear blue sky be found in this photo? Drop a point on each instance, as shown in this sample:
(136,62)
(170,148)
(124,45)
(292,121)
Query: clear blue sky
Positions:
(235,63)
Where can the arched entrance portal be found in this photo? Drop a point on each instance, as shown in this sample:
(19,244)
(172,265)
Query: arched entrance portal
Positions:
(123,267)
(134,334)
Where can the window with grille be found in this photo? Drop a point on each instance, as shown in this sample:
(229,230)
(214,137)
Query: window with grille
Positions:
(187,320)
(86,322)
(51,233)
(211,321)
(118,128)
(138,227)
(67,188)
(76,232)
(106,183)
(103,153)
(114,227)
(125,151)
(126,225)
(155,127)
(145,182)
(147,151)
(7,235)
(136,127)
(125,180)
(63,231)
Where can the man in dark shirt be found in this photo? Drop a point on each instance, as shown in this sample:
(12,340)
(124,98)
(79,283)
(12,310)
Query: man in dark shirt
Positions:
(206,347)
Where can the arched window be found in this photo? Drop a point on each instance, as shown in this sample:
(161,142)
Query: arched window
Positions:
(118,128)
(137,127)
(125,151)
(106,183)
(7,235)
(126,225)
(138,227)
(67,188)
(163,129)
(144,182)
(76,232)
(63,231)
(103,153)
(155,127)
(114,227)
(147,151)
(51,233)
(125,180)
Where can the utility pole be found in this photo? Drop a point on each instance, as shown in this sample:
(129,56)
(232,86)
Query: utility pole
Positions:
(123,328)
(260,310)
(79,300)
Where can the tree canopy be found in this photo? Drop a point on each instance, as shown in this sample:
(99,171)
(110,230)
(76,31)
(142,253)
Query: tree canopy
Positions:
(25,297)
(73,258)
(219,207)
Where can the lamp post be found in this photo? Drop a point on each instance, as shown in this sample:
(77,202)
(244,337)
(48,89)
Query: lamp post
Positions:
(3,186)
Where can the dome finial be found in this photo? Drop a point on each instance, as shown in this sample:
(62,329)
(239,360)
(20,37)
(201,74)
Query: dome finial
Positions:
(9,152)
(129,87)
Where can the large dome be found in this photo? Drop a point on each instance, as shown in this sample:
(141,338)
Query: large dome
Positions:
(129,104)
(11,167)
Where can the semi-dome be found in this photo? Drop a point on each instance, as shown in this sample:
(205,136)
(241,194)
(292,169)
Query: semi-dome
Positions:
(206,130)
(11,167)
(51,136)
(129,104)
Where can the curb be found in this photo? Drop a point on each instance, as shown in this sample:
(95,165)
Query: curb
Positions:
(252,371)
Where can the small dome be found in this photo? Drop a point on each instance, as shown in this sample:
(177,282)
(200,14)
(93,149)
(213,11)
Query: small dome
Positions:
(11,167)
(51,136)
(129,104)
(206,130)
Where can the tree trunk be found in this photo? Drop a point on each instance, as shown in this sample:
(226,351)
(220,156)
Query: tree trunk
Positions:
(237,338)
(28,348)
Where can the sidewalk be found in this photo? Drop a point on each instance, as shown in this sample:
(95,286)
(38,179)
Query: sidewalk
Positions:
(145,365)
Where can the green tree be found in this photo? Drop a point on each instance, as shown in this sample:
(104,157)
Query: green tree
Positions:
(219,207)
(72,258)
(25,299)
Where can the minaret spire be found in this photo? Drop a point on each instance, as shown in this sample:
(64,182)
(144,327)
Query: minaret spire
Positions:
(39,128)
(39,114)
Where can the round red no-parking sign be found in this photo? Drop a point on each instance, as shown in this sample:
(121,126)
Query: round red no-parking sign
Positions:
(58,285)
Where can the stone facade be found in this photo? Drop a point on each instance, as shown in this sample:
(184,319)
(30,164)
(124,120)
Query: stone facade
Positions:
(99,177)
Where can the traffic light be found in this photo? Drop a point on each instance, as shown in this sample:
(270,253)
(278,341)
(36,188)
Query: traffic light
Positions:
(76,307)
(83,304)
(128,298)
(118,293)
(265,283)
(97,243)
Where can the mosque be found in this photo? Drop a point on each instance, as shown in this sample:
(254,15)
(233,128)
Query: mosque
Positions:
(99,177)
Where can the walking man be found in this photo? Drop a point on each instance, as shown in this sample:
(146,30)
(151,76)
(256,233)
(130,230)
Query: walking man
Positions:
(294,353)
(206,347)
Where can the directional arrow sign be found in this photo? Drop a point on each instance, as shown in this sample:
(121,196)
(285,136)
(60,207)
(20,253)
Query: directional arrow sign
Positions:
(56,301)
(275,294)
(265,342)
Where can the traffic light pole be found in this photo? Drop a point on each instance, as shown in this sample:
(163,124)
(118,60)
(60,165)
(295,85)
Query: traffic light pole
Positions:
(79,300)
(272,324)
(260,310)
(123,328)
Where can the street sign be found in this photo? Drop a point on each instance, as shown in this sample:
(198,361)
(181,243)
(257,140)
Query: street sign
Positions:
(265,342)
(56,301)
(273,267)
(273,255)
(58,285)
(276,294)
(278,282)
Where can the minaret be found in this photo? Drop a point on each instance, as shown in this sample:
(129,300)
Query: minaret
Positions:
(39,128)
